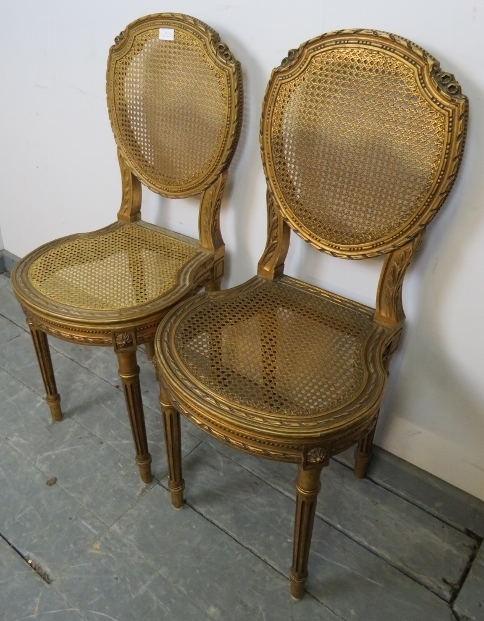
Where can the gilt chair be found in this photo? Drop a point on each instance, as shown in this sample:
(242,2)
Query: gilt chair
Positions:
(174,95)
(361,135)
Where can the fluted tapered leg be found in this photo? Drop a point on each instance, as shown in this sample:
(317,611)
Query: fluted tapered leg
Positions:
(363,454)
(45,363)
(129,374)
(150,349)
(171,425)
(307,487)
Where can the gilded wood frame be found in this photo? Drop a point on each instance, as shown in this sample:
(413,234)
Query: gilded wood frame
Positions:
(310,441)
(125,329)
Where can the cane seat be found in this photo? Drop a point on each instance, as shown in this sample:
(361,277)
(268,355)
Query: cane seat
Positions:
(361,135)
(239,349)
(119,268)
(174,96)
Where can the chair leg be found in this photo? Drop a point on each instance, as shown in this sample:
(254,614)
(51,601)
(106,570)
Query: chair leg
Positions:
(363,454)
(307,486)
(42,350)
(150,349)
(129,374)
(171,426)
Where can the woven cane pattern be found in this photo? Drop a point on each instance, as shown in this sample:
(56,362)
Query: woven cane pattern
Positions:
(171,107)
(356,145)
(119,269)
(277,348)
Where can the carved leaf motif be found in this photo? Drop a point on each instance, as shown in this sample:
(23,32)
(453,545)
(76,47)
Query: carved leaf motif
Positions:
(393,279)
(131,192)
(206,219)
(271,263)
(124,339)
(316,455)
(290,58)
(272,236)
(216,211)
(209,224)
(126,178)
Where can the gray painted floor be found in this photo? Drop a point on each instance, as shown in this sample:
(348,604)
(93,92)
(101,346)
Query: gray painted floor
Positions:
(98,545)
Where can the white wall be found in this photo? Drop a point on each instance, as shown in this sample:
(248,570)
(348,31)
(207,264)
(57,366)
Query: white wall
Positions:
(59,175)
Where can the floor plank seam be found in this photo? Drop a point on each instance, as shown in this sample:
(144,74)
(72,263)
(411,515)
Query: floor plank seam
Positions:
(408,498)
(13,324)
(458,587)
(39,570)
(349,536)
(64,597)
(17,379)
(147,490)
(264,560)
(421,506)
(59,484)
(402,569)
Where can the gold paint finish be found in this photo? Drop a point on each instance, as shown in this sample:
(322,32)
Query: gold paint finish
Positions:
(362,136)
(363,149)
(175,109)
(42,351)
(308,487)
(174,104)
(361,141)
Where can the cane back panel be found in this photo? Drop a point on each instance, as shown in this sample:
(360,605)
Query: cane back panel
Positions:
(362,136)
(176,137)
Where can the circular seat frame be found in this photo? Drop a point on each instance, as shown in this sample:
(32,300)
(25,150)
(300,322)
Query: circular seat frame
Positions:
(282,435)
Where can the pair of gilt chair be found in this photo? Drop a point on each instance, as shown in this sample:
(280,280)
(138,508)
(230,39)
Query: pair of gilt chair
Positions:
(362,135)
(174,96)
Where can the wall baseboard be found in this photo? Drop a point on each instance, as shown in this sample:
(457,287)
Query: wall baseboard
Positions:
(7,261)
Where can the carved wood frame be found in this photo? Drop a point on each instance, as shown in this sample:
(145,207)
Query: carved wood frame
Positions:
(443,91)
(308,440)
(125,329)
(211,182)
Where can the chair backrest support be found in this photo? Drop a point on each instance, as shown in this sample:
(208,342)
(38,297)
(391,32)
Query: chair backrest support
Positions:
(362,136)
(174,94)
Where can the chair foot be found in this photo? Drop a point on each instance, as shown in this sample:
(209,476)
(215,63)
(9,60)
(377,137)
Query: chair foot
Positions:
(297,587)
(171,426)
(176,484)
(177,496)
(362,462)
(55,408)
(145,470)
